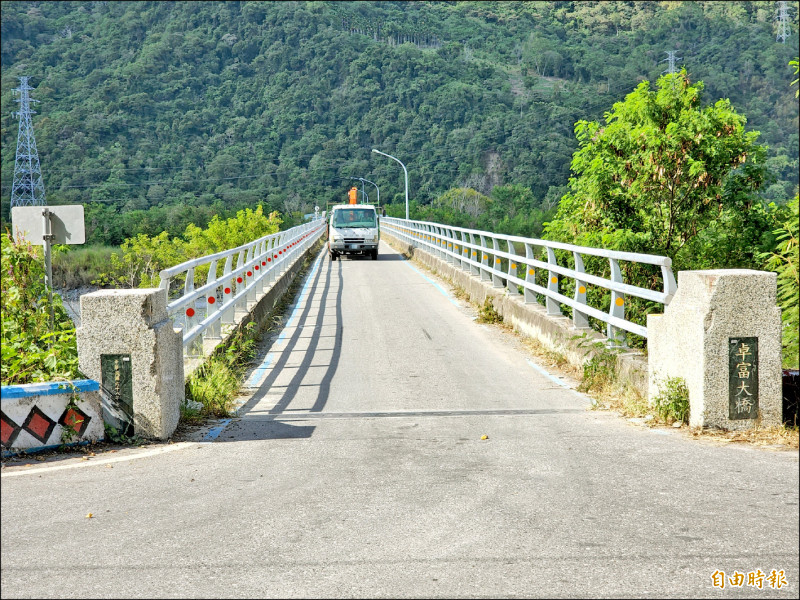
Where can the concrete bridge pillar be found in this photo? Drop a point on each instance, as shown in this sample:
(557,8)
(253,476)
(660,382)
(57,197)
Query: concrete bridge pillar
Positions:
(128,343)
(722,334)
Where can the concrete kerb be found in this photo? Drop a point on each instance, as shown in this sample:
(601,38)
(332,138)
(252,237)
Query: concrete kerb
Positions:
(532,320)
(262,309)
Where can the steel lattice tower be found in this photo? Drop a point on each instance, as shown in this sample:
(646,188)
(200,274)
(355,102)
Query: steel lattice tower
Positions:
(28,187)
(783,22)
(670,60)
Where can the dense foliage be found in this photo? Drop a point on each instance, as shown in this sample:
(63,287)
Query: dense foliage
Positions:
(160,114)
(785,261)
(31,350)
(666,175)
(142,257)
(662,174)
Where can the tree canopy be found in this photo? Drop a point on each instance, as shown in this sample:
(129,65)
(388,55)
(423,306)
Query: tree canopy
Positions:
(661,171)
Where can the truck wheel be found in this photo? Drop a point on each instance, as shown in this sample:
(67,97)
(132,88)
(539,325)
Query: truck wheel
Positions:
(333,255)
(374,255)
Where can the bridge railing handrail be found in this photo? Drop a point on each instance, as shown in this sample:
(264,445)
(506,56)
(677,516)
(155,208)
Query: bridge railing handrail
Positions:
(460,246)
(258,264)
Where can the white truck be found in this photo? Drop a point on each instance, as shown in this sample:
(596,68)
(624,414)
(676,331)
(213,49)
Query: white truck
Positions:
(353,229)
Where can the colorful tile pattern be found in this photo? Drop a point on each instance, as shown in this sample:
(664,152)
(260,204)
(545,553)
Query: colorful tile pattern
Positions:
(8,430)
(39,425)
(75,418)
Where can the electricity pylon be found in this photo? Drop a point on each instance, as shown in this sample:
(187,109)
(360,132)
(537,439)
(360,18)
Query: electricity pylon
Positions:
(27,188)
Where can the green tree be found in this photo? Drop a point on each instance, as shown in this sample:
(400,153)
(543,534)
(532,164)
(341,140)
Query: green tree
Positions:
(660,172)
(784,261)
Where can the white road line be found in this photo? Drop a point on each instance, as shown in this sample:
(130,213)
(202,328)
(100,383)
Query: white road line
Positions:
(101,461)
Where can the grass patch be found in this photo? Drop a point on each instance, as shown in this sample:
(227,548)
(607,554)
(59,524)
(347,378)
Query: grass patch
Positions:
(459,292)
(672,401)
(487,313)
(783,437)
(81,266)
(212,387)
(551,358)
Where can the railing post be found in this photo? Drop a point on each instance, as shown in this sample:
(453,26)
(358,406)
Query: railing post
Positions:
(191,317)
(258,270)
(465,251)
(579,320)
(670,287)
(228,282)
(485,275)
(512,271)
(450,246)
(241,283)
(212,303)
(474,269)
(250,281)
(497,281)
(271,260)
(530,276)
(553,307)
(615,335)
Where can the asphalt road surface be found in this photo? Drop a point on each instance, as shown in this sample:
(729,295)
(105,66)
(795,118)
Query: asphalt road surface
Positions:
(356,469)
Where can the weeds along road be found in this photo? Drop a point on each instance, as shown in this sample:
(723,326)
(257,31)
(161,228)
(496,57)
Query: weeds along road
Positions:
(357,469)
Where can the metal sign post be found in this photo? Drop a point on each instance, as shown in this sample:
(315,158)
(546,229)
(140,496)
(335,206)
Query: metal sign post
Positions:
(47,239)
(47,225)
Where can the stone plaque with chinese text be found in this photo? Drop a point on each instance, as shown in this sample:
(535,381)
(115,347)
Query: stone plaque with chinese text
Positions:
(743,377)
(117,392)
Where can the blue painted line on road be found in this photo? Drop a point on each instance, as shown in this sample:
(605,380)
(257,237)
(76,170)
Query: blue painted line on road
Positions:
(548,375)
(432,282)
(214,433)
(260,373)
(258,376)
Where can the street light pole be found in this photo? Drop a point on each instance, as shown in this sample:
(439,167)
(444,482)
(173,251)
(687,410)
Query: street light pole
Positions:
(376,187)
(404,170)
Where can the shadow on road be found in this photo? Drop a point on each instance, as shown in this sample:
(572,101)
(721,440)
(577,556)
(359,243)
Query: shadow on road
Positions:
(268,425)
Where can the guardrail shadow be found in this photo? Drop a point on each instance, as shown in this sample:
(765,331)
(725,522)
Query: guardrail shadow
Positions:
(268,425)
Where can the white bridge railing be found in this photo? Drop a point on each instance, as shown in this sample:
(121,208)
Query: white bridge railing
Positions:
(248,271)
(484,254)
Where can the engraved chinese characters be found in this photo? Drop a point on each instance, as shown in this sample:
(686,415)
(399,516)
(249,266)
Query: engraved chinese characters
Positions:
(743,378)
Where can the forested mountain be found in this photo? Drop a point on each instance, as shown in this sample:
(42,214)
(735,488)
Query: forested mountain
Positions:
(156,114)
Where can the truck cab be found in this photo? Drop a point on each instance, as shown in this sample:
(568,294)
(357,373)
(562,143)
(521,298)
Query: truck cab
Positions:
(353,229)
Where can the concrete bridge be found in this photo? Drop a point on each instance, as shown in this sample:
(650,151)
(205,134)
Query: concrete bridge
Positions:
(389,445)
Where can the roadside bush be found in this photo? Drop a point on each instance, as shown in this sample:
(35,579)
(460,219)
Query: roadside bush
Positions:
(784,261)
(142,257)
(31,351)
(672,401)
(216,383)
